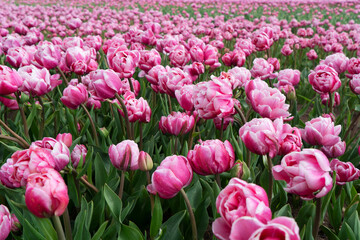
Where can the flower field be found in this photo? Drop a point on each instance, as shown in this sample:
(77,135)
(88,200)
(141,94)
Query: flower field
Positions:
(169,120)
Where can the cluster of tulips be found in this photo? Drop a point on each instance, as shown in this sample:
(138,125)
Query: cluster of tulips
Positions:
(106,115)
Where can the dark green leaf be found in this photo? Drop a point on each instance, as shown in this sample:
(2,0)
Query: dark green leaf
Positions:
(157,217)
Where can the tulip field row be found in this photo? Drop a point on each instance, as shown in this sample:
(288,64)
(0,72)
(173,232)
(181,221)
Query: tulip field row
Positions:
(169,120)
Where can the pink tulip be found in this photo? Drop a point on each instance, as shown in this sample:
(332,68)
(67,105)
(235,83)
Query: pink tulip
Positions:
(260,137)
(19,57)
(149,59)
(212,157)
(353,67)
(138,109)
(153,75)
(326,100)
(321,131)
(74,96)
(286,50)
(268,102)
(261,41)
(58,150)
(125,87)
(123,61)
(66,138)
(10,80)
(345,171)
(125,155)
(261,69)
(78,152)
(15,171)
(289,137)
(48,55)
(5,222)
(194,70)
(210,57)
(37,82)
(46,194)
(306,173)
(312,55)
(15,224)
(10,102)
(184,96)
(176,123)
(338,61)
(197,54)
(289,76)
(240,199)
(251,228)
(324,79)
(40,158)
(173,174)
(78,59)
(179,56)
(240,76)
(275,62)
(354,84)
(213,99)
(106,83)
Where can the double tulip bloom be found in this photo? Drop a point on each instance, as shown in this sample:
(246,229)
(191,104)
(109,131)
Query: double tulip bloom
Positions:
(212,157)
(307,173)
(173,174)
(324,79)
(176,123)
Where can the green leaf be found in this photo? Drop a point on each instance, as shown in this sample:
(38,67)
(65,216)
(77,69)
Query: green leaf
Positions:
(100,172)
(195,193)
(171,227)
(128,232)
(31,116)
(30,232)
(10,148)
(157,218)
(306,212)
(284,211)
(329,234)
(100,231)
(113,201)
(349,231)
(81,230)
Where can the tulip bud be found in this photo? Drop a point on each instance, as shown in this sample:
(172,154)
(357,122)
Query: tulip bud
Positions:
(237,170)
(15,224)
(104,132)
(145,161)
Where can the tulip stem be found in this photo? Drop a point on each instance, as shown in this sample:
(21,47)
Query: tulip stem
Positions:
(151,196)
(221,129)
(58,228)
(141,136)
(240,113)
(122,180)
(8,129)
(131,85)
(67,225)
(191,137)
(191,214)
(126,116)
(13,140)
(62,75)
(218,180)
(23,117)
(317,218)
(83,180)
(92,124)
(42,126)
(352,125)
(331,102)
(270,178)
(169,100)
(175,145)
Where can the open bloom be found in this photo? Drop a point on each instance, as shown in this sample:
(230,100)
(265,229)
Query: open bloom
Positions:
(240,199)
(173,174)
(106,83)
(324,79)
(176,123)
(212,157)
(307,173)
(280,228)
(268,102)
(213,99)
(46,194)
(345,171)
(10,80)
(260,137)
(321,131)
(5,222)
